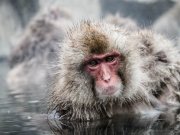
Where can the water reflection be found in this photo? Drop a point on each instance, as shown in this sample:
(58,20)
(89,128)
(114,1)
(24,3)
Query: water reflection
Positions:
(20,113)
(24,114)
(128,124)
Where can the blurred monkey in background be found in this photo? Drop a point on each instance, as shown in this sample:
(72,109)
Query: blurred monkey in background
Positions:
(36,48)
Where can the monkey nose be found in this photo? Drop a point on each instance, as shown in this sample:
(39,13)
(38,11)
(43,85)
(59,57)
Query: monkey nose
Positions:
(106,77)
(105,73)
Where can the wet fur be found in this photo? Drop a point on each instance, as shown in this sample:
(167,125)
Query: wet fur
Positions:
(150,70)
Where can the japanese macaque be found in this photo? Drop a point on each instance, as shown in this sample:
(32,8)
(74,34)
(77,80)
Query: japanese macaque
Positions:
(35,48)
(105,70)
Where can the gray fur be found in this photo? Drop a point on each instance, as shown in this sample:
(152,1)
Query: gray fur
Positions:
(150,68)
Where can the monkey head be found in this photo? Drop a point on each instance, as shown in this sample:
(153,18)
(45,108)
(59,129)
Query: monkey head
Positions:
(99,68)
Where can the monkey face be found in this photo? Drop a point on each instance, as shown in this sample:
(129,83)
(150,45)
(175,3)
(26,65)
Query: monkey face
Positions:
(103,69)
(99,67)
(105,66)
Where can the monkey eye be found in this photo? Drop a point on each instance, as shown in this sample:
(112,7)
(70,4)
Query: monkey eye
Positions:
(93,63)
(110,58)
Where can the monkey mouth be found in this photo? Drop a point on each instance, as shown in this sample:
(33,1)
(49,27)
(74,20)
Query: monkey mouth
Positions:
(109,91)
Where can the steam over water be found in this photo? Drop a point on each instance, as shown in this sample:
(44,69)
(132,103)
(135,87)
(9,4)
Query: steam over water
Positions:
(24,111)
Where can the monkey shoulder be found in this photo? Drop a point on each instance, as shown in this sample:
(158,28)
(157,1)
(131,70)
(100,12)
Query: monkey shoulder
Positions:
(162,64)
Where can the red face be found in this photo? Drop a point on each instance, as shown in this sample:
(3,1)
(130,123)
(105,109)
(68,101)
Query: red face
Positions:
(103,68)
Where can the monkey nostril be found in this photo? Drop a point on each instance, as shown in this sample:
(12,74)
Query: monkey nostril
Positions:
(106,78)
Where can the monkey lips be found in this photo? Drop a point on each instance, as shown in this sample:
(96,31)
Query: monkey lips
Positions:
(110,91)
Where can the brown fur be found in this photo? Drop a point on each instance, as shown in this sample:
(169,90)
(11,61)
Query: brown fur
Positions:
(95,41)
(149,59)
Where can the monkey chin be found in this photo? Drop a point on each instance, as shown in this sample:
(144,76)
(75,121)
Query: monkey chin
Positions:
(109,92)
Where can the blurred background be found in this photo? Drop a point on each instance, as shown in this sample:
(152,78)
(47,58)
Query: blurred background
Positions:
(20,111)
(16,14)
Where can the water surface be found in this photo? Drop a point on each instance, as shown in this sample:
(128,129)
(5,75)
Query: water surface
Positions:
(24,113)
